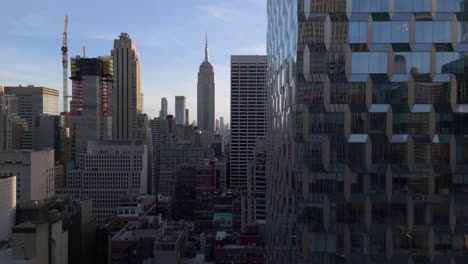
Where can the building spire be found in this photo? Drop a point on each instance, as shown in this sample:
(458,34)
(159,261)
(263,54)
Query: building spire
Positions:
(206,47)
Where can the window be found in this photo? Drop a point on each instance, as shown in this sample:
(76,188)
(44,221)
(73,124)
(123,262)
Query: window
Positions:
(411,62)
(449,62)
(403,6)
(413,5)
(369,62)
(381,32)
(362,5)
(421,5)
(449,6)
(399,32)
(358,32)
(379,6)
(424,32)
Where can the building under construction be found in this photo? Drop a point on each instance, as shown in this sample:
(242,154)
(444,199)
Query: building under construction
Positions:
(91,104)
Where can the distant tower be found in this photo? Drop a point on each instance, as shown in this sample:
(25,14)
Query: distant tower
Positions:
(206,95)
(163,112)
(187,122)
(180,110)
(127,101)
(65,65)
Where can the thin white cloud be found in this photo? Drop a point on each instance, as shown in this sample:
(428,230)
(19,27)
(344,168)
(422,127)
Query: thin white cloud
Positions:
(215,11)
(103,36)
(36,24)
(226,11)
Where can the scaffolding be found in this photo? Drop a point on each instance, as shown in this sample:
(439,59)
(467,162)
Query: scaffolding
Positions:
(102,67)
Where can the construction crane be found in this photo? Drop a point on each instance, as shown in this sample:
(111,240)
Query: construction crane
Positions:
(65,114)
(65,65)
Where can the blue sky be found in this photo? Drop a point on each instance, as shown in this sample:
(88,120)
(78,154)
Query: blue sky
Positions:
(169,34)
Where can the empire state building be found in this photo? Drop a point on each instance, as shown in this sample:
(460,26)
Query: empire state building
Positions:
(206,95)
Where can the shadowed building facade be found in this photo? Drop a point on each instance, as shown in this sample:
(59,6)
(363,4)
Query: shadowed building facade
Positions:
(367,131)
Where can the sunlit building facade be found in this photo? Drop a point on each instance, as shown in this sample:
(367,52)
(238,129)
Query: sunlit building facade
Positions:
(367,125)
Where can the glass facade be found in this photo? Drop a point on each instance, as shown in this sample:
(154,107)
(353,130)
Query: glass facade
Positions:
(368,124)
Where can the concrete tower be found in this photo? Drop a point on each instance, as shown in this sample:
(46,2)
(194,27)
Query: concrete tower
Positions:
(180,110)
(163,112)
(206,95)
(126,97)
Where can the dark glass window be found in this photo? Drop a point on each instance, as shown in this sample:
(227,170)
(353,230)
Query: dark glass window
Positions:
(362,5)
(381,32)
(399,32)
(444,31)
(449,62)
(424,31)
(449,5)
(357,32)
(369,62)
(379,6)
(403,6)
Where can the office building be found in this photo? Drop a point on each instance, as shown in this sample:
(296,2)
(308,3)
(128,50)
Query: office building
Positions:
(184,194)
(180,110)
(127,98)
(163,134)
(206,95)
(170,247)
(248,112)
(12,126)
(108,170)
(70,221)
(7,205)
(253,198)
(91,104)
(50,132)
(187,122)
(163,112)
(30,242)
(366,135)
(171,157)
(34,171)
(232,248)
(222,126)
(33,101)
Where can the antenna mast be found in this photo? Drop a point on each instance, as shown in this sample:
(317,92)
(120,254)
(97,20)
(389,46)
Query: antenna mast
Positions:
(65,65)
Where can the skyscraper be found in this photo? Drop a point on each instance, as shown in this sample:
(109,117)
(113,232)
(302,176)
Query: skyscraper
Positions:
(187,120)
(163,112)
(180,110)
(366,127)
(12,126)
(221,125)
(206,95)
(91,104)
(248,112)
(127,101)
(33,101)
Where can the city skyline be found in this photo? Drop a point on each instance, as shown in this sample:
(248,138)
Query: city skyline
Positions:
(231,29)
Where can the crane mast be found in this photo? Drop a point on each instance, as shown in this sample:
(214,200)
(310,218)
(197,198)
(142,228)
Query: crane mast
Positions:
(65,65)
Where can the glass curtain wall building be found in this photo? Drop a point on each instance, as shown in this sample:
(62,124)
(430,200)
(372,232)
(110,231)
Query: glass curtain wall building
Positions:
(368,124)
